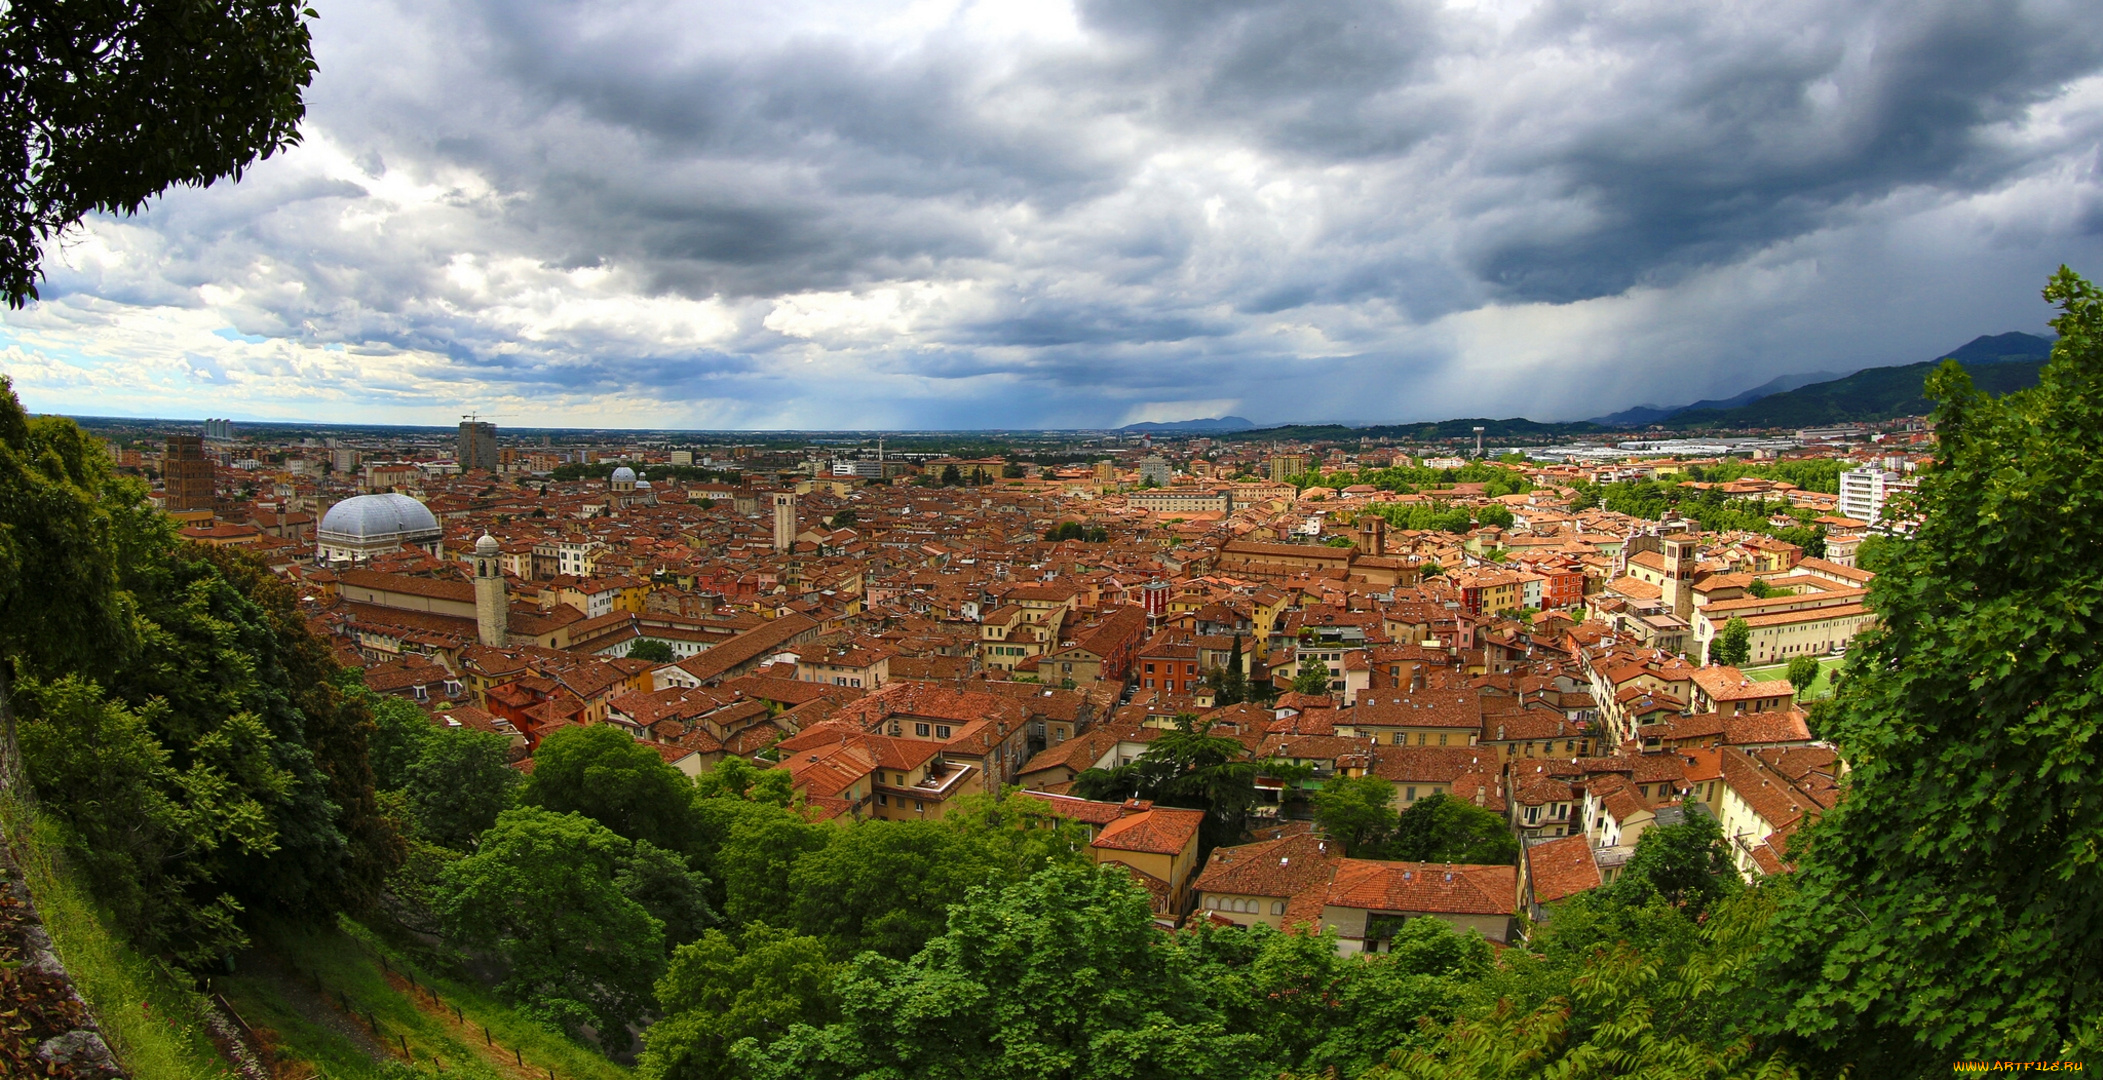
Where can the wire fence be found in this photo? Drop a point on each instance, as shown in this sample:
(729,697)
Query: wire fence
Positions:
(397,1040)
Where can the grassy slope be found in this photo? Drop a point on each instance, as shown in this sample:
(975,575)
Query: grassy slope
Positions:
(150,1016)
(275,990)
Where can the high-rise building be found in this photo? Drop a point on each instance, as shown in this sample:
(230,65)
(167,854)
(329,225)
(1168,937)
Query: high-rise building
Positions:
(1106,472)
(1863,491)
(1286,466)
(219,430)
(478,446)
(186,475)
(1156,469)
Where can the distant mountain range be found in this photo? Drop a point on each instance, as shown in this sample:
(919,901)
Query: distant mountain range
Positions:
(1998,364)
(1641,415)
(1190,427)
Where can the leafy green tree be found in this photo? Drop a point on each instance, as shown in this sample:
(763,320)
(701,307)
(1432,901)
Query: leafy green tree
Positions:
(651,649)
(757,856)
(1230,684)
(147,835)
(400,732)
(1732,647)
(673,895)
(1357,812)
(883,885)
(540,895)
(1186,767)
(736,778)
(459,784)
(1760,589)
(107,105)
(1686,864)
(1016,834)
(598,770)
(1441,828)
(1802,674)
(1064,975)
(724,989)
(951,477)
(62,607)
(1312,678)
(1950,906)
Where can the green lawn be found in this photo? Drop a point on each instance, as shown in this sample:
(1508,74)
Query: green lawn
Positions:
(275,989)
(1822,688)
(152,1017)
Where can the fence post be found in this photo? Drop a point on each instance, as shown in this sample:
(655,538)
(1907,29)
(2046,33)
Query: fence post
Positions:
(405,1046)
(518,1057)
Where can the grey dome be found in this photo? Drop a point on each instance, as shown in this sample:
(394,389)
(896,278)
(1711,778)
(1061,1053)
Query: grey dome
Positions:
(642,483)
(487,545)
(622,474)
(364,518)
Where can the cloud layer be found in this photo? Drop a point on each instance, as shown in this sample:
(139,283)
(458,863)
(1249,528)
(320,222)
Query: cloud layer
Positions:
(955,214)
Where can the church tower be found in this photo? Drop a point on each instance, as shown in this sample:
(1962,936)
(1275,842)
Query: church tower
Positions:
(1678,552)
(492,606)
(784,520)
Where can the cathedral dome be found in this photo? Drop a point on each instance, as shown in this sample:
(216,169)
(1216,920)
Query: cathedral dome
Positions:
(369,518)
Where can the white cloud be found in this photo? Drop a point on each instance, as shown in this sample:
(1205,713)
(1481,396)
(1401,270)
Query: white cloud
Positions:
(970,213)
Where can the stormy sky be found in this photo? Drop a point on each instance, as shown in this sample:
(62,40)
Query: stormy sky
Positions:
(878,214)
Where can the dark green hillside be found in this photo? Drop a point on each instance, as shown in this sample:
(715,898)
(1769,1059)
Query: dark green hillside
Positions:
(1998,365)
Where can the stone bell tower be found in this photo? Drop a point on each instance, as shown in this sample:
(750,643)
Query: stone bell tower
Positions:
(492,606)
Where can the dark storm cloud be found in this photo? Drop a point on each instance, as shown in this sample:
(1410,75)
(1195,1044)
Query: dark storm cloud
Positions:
(1356,208)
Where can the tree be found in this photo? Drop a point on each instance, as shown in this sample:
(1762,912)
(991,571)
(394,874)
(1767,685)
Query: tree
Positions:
(1312,678)
(400,731)
(1803,674)
(1062,975)
(722,989)
(673,895)
(540,895)
(884,885)
(1686,864)
(600,771)
(651,649)
(1949,906)
(951,477)
(1760,589)
(1237,679)
(146,834)
(1185,767)
(1733,646)
(1357,812)
(459,784)
(736,778)
(1441,828)
(107,105)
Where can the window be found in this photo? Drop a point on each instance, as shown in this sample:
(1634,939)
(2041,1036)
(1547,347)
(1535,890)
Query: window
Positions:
(1421,738)
(941,731)
(1442,739)
(919,807)
(882,799)
(1400,739)
(920,730)
(1190,669)
(1533,815)
(1150,669)
(1277,907)
(1409,795)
